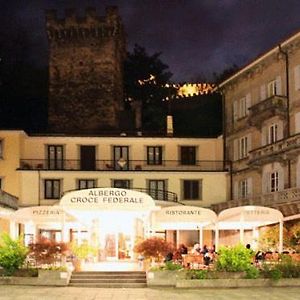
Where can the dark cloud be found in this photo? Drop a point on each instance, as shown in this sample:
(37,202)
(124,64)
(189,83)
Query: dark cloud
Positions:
(196,37)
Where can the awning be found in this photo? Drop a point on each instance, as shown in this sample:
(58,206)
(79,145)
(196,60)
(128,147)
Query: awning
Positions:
(248,217)
(41,214)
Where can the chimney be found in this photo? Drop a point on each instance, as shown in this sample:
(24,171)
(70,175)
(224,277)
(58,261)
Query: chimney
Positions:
(170,130)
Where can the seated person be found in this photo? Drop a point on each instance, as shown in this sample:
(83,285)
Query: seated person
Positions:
(196,249)
(169,257)
(182,249)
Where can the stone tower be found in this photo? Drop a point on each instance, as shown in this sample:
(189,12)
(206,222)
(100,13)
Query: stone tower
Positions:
(85,71)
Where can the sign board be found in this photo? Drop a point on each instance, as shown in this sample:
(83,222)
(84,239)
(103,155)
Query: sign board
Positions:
(107,199)
(248,217)
(41,214)
(183,217)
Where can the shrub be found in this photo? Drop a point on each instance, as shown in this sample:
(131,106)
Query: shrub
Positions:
(172,266)
(83,251)
(196,274)
(154,247)
(12,254)
(234,259)
(252,273)
(45,251)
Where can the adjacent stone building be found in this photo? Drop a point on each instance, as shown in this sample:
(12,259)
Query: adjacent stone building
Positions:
(262,130)
(85,71)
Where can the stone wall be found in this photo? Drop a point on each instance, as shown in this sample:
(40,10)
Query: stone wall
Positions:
(85,71)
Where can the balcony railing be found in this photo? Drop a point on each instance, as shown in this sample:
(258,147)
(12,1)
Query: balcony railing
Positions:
(265,153)
(131,165)
(161,195)
(275,105)
(7,200)
(271,199)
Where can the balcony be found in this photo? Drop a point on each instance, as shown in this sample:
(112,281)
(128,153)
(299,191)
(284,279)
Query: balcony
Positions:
(288,201)
(7,200)
(273,106)
(131,165)
(269,153)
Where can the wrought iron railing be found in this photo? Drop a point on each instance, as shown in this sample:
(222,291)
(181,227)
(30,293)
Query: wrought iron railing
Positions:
(7,200)
(121,165)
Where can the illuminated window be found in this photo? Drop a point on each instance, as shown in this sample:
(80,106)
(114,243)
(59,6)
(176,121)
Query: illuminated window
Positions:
(157,189)
(55,157)
(188,155)
(52,188)
(121,184)
(86,184)
(192,189)
(154,155)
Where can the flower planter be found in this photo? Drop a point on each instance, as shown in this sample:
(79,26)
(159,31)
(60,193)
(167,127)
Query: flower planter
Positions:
(45,277)
(236,283)
(164,277)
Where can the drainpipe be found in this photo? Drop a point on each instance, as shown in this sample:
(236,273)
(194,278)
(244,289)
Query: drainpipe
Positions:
(288,106)
(287,88)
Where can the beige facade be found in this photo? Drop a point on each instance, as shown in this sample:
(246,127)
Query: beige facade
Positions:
(40,169)
(262,130)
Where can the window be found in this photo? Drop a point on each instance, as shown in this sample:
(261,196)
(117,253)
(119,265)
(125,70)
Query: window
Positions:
(243,147)
(271,88)
(274,87)
(243,188)
(297,122)
(192,189)
(241,107)
(188,155)
(1,183)
(55,157)
(157,189)
(121,184)
(297,77)
(273,134)
(52,189)
(86,184)
(121,157)
(1,148)
(274,181)
(154,155)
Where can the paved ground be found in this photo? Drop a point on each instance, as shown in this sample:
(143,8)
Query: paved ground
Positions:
(72,293)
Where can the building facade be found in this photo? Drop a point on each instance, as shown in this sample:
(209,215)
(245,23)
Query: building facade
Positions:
(40,169)
(262,130)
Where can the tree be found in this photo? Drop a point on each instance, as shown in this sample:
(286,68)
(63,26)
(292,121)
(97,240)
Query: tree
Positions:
(145,83)
(154,247)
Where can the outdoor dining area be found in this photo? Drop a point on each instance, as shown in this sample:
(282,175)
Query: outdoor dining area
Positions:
(238,219)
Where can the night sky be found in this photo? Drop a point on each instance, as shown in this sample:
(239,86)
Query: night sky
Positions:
(196,37)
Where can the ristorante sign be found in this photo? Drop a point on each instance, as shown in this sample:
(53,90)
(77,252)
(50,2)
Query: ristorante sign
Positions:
(185,213)
(107,199)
